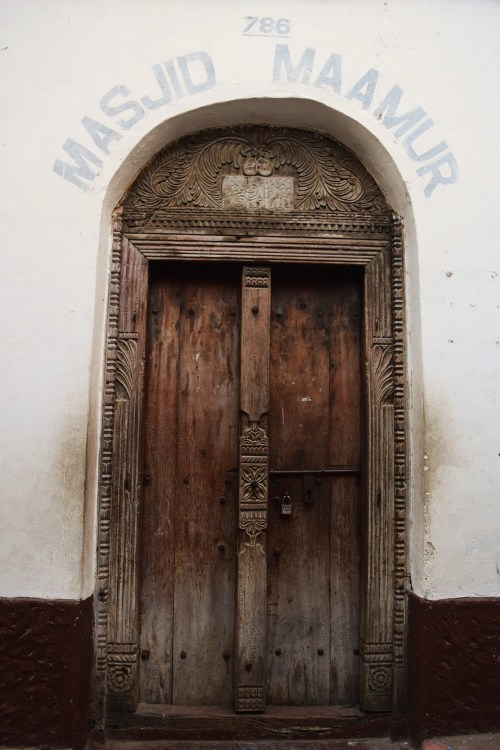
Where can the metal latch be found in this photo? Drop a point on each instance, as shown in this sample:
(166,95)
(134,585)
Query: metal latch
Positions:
(286,505)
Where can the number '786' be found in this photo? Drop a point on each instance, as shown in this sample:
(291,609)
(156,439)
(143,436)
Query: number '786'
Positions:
(266,25)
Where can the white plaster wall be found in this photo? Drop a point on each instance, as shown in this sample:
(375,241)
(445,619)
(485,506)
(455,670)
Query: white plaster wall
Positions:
(60,58)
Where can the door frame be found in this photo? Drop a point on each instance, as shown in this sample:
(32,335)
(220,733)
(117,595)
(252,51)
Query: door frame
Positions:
(373,242)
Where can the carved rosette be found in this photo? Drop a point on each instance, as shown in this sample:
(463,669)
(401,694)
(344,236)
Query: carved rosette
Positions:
(378,660)
(254,468)
(379,678)
(122,664)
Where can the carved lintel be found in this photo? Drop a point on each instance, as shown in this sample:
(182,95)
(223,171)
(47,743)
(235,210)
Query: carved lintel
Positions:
(256,168)
(229,221)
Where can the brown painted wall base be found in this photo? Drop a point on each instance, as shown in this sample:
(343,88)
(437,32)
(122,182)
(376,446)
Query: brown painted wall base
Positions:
(454,666)
(45,662)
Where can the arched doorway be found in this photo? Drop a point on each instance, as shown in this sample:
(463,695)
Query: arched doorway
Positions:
(255,388)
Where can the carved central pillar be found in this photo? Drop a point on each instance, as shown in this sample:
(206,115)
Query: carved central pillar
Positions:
(250,651)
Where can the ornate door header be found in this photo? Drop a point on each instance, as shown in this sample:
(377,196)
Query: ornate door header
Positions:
(260,173)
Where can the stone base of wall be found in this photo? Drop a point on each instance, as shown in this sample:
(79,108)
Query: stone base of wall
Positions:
(45,664)
(454,666)
(46,654)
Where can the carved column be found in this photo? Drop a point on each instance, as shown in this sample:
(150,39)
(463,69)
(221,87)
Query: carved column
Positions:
(376,646)
(400,479)
(250,623)
(105,480)
(123,619)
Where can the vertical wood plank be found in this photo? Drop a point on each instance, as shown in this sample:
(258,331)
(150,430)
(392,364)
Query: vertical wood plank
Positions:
(206,451)
(250,620)
(345,411)
(161,418)
(298,545)
(123,626)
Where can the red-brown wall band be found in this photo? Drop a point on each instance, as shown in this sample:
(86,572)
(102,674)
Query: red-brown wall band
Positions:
(454,666)
(46,648)
(45,664)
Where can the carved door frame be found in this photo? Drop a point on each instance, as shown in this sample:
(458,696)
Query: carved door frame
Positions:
(336,215)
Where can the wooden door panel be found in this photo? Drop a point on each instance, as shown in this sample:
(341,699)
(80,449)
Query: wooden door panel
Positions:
(203,391)
(314,423)
(299,379)
(298,579)
(197,447)
(298,599)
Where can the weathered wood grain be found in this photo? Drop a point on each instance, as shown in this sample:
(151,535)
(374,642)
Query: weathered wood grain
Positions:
(207,440)
(298,587)
(345,416)
(158,532)
(190,517)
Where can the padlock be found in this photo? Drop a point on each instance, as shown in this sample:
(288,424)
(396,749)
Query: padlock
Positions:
(286,505)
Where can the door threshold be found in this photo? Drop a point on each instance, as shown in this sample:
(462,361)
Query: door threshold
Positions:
(214,723)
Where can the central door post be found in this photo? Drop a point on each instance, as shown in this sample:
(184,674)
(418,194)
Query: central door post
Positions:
(250,623)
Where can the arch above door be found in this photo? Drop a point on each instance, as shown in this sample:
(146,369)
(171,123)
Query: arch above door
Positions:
(259,196)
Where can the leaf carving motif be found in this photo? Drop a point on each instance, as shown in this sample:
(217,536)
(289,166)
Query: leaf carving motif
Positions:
(383,361)
(186,173)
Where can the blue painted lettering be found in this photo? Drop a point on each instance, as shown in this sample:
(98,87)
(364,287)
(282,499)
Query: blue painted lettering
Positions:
(282,59)
(207,70)
(100,134)
(111,110)
(166,94)
(364,89)
(389,105)
(196,72)
(442,171)
(437,177)
(76,173)
(331,74)
(412,137)
(172,74)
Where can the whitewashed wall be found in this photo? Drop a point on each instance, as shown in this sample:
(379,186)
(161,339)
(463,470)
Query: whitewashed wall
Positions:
(64,60)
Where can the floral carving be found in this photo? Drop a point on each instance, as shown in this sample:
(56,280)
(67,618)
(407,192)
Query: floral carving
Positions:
(254,483)
(379,679)
(120,678)
(189,173)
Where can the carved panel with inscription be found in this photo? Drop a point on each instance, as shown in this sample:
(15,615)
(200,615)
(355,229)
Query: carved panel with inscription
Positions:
(254,193)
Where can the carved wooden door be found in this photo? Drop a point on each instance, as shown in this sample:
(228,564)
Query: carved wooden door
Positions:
(250,549)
